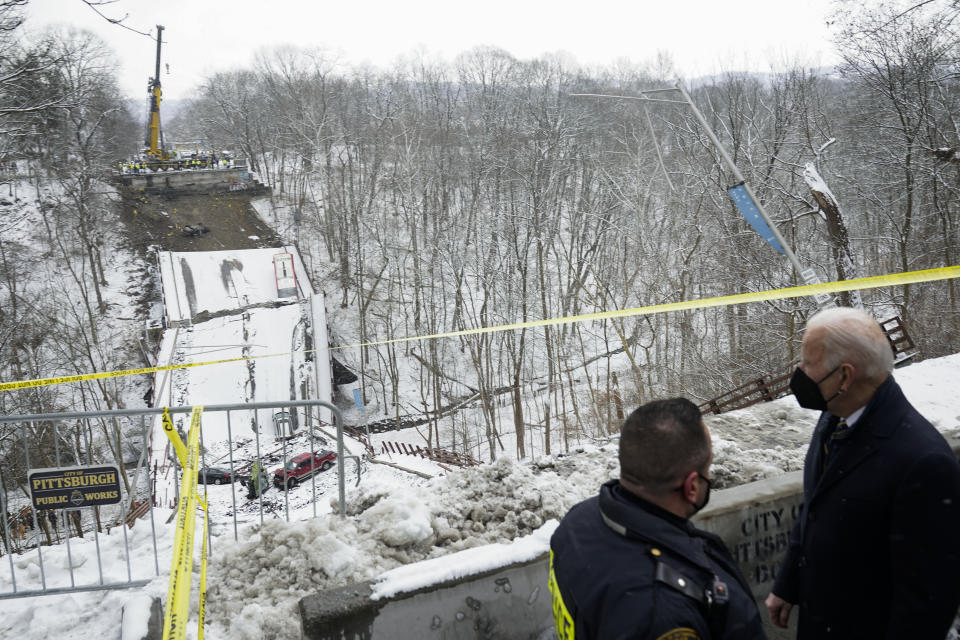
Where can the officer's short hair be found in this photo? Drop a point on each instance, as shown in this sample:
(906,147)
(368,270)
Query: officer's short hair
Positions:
(854,336)
(662,441)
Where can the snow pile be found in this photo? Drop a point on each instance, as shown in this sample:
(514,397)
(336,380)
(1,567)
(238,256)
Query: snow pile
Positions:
(95,614)
(473,513)
(136,617)
(82,556)
(464,563)
(388,526)
(766,440)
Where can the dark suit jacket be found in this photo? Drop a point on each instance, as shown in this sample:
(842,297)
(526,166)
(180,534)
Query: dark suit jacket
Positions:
(876,551)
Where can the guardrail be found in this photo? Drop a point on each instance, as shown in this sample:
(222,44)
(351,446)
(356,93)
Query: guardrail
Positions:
(767,388)
(70,444)
(431,453)
(56,491)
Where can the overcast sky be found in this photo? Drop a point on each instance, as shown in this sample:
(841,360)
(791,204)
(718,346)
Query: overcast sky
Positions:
(203,36)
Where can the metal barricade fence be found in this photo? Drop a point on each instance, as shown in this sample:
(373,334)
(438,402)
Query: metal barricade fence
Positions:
(132,441)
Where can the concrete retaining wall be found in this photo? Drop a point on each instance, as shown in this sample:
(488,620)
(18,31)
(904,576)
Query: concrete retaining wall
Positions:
(511,603)
(754,520)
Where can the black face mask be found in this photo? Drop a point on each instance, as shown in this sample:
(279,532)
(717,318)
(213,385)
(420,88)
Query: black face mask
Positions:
(807,391)
(706,498)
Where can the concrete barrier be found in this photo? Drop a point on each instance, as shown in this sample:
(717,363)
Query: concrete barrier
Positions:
(507,603)
(754,520)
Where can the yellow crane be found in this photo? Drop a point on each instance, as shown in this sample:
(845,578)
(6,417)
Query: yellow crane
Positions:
(154,141)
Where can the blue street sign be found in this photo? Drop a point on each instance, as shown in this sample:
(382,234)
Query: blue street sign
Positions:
(357,400)
(749,210)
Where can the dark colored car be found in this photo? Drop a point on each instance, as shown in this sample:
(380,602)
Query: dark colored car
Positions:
(195,229)
(302,466)
(215,475)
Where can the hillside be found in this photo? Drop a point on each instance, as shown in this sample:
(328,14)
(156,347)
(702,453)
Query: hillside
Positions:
(392,520)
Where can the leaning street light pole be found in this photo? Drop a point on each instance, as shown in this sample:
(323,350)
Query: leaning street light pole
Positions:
(743,196)
(740,179)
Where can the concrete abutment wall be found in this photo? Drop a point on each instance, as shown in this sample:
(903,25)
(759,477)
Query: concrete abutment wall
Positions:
(754,520)
(193,181)
(512,602)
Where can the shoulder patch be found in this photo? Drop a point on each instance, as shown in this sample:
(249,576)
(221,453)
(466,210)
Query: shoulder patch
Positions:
(680,633)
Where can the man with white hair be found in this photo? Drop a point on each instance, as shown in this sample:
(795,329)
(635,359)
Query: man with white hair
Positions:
(875,552)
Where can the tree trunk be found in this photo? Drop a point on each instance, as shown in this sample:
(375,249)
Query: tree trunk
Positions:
(837,230)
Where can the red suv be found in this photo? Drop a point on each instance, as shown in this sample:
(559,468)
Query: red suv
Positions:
(301,467)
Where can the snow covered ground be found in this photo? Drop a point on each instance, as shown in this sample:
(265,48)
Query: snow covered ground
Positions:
(53,280)
(394,518)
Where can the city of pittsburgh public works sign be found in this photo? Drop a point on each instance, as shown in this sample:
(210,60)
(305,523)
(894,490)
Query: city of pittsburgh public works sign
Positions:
(71,487)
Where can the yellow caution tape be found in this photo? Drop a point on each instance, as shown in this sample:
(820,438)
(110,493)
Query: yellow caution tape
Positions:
(202,607)
(174,437)
(872,282)
(179,447)
(178,591)
(42,382)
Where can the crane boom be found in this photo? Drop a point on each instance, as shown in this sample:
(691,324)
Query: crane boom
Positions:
(153,141)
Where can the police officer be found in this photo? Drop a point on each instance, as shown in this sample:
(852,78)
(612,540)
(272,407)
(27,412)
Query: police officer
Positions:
(629,564)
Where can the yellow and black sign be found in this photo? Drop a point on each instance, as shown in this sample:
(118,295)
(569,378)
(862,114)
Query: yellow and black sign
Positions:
(71,487)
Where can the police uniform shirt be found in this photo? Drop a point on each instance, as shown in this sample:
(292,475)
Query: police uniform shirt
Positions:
(645,574)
